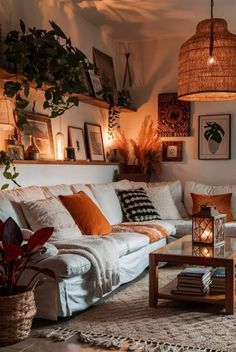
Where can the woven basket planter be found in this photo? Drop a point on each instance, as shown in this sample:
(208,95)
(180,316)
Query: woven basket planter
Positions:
(16,316)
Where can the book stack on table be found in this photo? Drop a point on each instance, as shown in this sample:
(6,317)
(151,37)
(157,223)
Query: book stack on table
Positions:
(217,285)
(193,281)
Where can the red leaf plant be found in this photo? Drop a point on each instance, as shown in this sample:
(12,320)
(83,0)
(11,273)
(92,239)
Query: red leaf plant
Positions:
(16,256)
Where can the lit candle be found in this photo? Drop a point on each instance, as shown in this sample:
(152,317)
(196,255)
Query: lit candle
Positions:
(206,236)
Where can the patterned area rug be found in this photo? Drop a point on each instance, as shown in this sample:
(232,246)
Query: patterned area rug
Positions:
(126,313)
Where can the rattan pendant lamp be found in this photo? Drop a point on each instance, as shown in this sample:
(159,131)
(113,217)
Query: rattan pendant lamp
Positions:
(207,63)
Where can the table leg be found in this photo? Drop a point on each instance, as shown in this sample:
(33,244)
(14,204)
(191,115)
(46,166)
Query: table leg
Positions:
(153,280)
(230,287)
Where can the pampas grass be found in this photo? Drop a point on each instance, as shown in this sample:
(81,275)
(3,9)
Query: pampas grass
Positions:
(147,148)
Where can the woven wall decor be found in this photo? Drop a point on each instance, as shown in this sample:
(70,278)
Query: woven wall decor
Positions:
(173,116)
(207,63)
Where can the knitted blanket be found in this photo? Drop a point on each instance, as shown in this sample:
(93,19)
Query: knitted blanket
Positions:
(103,254)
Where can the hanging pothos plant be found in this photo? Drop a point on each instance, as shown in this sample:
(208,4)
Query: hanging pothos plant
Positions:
(9,172)
(47,60)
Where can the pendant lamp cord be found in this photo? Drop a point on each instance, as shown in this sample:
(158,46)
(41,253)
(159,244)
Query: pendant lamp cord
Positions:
(212,30)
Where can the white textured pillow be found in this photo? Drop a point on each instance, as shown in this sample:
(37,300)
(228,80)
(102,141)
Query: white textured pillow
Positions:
(26,194)
(176,193)
(51,213)
(108,202)
(163,202)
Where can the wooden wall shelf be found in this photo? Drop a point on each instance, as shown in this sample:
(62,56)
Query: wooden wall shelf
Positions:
(57,162)
(5,76)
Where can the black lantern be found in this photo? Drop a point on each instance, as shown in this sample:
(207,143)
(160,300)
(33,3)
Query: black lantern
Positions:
(208,226)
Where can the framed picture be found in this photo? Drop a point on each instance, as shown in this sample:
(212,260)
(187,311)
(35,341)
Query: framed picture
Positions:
(15,152)
(94,142)
(76,140)
(97,86)
(173,116)
(214,137)
(104,67)
(39,126)
(172,151)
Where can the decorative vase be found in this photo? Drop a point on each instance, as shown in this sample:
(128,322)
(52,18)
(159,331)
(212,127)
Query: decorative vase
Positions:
(32,152)
(16,316)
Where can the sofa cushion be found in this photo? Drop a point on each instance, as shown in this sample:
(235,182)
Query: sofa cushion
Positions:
(86,214)
(11,209)
(230,229)
(176,192)
(137,206)
(76,188)
(108,202)
(122,185)
(57,190)
(163,202)
(222,202)
(51,213)
(136,185)
(66,265)
(26,194)
(200,188)
(129,242)
(182,226)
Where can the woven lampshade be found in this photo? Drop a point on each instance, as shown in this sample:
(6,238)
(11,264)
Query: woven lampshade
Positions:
(199,80)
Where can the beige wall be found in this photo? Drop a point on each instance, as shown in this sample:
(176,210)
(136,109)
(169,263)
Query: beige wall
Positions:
(154,66)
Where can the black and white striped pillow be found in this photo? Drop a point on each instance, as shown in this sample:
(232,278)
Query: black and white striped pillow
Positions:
(137,206)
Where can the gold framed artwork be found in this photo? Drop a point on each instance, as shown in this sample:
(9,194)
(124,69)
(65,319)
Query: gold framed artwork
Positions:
(172,151)
(77,141)
(214,137)
(94,142)
(39,127)
(173,116)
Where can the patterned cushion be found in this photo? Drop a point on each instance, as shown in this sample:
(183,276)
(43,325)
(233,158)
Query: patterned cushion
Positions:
(137,206)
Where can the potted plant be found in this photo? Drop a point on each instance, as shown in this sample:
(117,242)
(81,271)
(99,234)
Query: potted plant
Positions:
(48,60)
(17,304)
(9,172)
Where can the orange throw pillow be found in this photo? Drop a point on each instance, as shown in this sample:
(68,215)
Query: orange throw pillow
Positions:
(222,202)
(86,214)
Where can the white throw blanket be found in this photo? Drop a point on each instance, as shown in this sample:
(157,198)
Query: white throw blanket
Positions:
(103,253)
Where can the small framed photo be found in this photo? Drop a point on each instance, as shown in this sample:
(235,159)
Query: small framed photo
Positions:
(214,137)
(94,142)
(15,152)
(76,140)
(97,86)
(39,127)
(172,151)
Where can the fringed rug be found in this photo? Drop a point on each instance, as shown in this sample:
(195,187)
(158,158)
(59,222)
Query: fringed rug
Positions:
(126,313)
(118,343)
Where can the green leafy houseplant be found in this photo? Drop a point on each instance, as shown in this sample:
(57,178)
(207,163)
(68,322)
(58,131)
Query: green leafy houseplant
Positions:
(17,303)
(9,172)
(45,59)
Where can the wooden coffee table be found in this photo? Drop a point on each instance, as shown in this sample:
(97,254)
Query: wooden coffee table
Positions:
(181,252)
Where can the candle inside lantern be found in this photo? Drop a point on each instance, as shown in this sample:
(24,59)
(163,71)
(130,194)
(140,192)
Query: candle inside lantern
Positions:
(206,236)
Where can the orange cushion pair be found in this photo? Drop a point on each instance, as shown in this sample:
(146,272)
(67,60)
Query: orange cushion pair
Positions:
(222,202)
(86,214)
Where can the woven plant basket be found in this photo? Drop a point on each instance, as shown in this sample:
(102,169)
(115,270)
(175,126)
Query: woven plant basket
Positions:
(16,316)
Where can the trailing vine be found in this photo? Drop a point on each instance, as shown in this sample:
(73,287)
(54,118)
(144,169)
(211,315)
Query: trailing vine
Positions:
(47,60)
(9,172)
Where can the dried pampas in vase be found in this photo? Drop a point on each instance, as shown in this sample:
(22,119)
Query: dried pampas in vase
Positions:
(147,148)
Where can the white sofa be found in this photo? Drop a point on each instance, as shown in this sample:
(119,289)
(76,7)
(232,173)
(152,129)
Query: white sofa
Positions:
(71,291)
